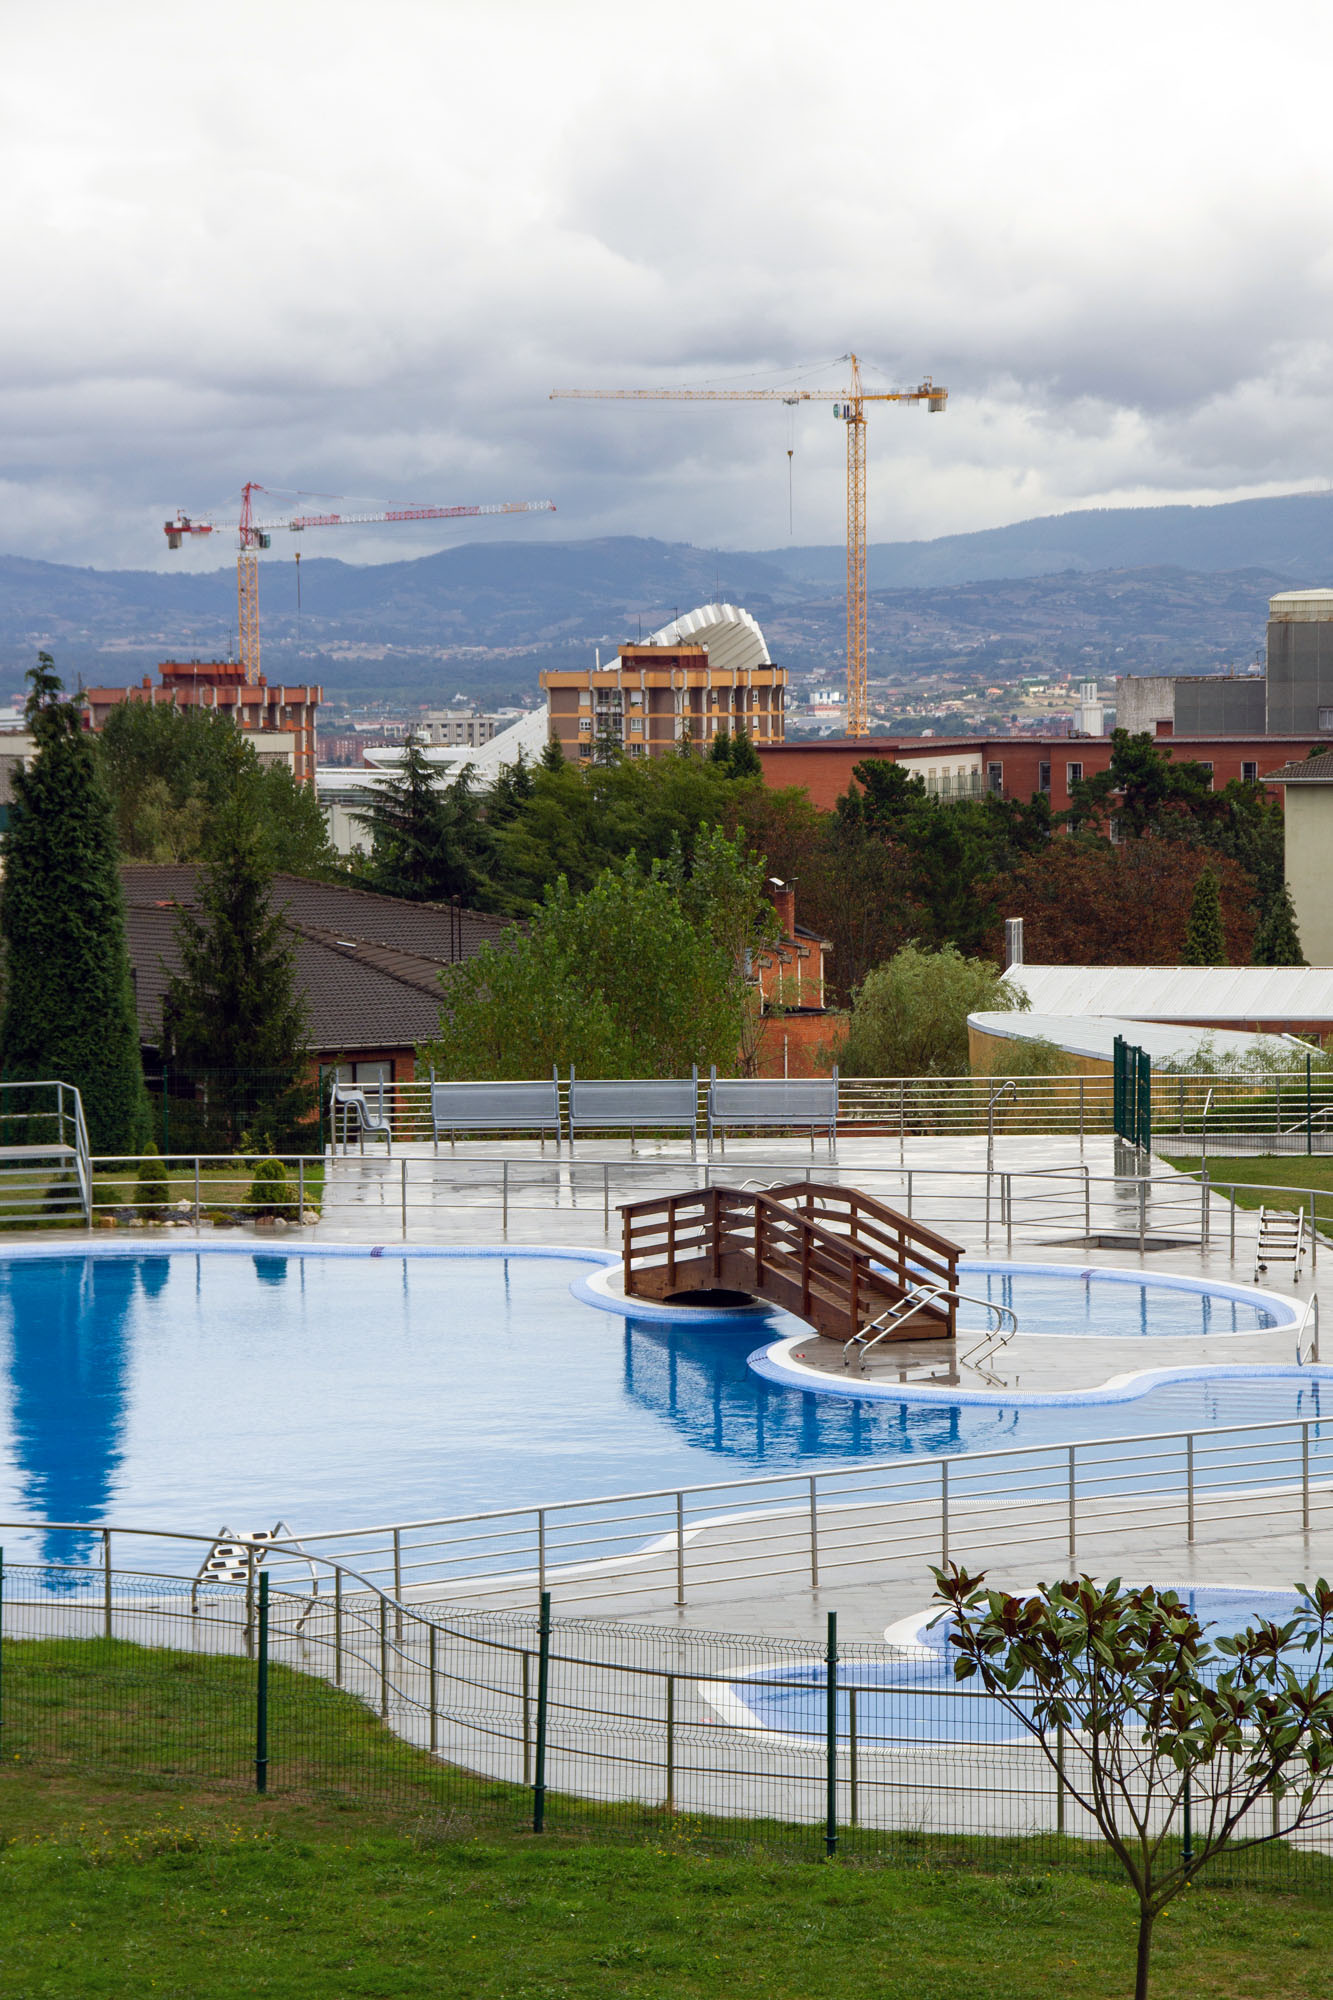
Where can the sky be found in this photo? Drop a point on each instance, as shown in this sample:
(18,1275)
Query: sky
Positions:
(350,251)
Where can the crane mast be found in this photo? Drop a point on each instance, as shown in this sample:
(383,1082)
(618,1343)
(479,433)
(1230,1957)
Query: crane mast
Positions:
(849,405)
(253,535)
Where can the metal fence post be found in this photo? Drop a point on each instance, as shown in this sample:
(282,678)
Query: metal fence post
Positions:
(1205,1216)
(1189,1487)
(1059,1777)
(1143,1210)
(543,1693)
(527,1719)
(300,1187)
(944,1513)
(1087,1202)
(434,1705)
(106,1584)
(338,1626)
(1233,1225)
(1009,1211)
(541,1550)
(680,1548)
(831,1726)
(196,1190)
(853,1772)
(384,1655)
(671,1742)
(398,1585)
(1073,1549)
(814,1533)
(504,1198)
(403,1164)
(1305,1477)
(261,1690)
(606,1195)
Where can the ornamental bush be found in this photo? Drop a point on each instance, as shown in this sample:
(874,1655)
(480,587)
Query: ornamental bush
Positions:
(270,1191)
(152,1190)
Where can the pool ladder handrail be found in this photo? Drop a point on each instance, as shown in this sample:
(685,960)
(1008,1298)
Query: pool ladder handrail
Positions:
(924,1295)
(1311,1306)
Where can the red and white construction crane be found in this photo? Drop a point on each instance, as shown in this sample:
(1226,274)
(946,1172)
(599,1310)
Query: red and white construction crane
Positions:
(255,535)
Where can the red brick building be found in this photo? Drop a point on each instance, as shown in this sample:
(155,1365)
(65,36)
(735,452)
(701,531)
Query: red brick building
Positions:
(1015,767)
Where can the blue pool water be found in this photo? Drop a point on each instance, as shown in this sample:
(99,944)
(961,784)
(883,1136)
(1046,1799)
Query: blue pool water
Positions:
(916,1700)
(326,1390)
(1111,1305)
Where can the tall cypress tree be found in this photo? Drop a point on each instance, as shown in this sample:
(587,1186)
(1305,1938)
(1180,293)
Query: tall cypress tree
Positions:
(69,1003)
(1277,940)
(1205,940)
(233,1011)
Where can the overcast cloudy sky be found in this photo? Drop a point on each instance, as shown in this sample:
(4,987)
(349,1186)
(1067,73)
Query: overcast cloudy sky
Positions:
(351,249)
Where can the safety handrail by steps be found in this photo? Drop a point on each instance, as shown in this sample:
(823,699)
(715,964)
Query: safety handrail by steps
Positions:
(991,1340)
(883,1327)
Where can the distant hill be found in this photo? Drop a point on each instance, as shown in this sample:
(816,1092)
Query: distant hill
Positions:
(1291,535)
(1124,589)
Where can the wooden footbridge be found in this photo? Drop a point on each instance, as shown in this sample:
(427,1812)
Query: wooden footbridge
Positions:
(833,1256)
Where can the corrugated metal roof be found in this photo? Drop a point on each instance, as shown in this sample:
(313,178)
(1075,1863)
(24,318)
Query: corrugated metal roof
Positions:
(1094,1035)
(1236,993)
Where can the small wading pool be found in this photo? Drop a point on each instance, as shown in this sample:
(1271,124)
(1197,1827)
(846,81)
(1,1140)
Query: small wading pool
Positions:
(904,1704)
(1053,1299)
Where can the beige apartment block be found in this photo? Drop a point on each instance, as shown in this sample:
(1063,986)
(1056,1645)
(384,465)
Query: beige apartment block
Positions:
(1308,838)
(705,673)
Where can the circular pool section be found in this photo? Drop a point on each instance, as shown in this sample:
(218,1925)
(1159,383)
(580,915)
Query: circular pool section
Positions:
(914,1701)
(1061,1299)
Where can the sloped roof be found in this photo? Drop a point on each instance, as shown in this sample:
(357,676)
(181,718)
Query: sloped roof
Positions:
(1304,771)
(1180,992)
(1093,1035)
(367,965)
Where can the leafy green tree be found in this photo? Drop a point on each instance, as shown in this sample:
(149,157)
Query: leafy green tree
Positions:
(232,1014)
(429,840)
(171,771)
(1144,789)
(619,981)
(69,1005)
(1166,1739)
(1277,940)
(909,1017)
(1205,940)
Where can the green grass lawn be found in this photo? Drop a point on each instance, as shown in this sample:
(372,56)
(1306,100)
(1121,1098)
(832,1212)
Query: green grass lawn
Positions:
(1301,1172)
(191,1887)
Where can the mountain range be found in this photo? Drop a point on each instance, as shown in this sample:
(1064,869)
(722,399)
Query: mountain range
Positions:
(1117,589)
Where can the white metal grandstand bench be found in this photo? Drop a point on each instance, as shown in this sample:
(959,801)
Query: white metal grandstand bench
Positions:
(495,1107)
(753,1101)
(650,1104)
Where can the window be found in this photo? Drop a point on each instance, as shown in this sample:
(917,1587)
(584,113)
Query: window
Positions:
(1326,719)
(1044,778)
(1073,774)
(1249,774)
(994,777)
(1206,764)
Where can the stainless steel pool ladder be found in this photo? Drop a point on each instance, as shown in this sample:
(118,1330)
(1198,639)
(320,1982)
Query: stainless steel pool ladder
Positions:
(237,1557)
(882,1328)
(1281,1240)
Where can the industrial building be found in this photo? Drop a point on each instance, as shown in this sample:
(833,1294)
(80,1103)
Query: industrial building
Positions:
(704,673)
(279,721)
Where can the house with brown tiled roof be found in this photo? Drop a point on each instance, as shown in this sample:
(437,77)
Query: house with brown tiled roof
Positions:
(368,966)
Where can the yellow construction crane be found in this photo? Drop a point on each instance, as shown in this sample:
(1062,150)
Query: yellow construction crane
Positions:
(850,406)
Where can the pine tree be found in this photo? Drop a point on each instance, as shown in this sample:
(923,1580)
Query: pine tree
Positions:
(69,1004)
(233,1010)
(428,839)
(1205,940)
(1277,940)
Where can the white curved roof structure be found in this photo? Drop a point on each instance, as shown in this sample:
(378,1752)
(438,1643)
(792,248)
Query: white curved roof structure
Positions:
(732,636)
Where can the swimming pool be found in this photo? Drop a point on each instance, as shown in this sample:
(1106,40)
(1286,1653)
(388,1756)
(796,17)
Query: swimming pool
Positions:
(905,1703)
(225,1384)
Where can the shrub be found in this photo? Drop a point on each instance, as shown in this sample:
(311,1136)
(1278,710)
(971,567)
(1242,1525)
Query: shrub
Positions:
(270,1192)
(152,1190)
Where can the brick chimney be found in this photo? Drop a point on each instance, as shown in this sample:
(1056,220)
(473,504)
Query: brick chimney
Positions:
(784,902)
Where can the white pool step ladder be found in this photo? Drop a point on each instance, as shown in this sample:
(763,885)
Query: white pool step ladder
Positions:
(238,1554)
(1282,1240)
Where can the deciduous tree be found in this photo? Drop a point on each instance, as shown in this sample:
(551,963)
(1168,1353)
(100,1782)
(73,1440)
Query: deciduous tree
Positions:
(909,1016)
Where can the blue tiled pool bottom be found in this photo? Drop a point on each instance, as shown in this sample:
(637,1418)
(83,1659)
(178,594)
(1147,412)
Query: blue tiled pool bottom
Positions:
(1112,1304)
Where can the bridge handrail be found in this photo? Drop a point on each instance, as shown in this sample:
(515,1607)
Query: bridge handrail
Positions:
(832,1194)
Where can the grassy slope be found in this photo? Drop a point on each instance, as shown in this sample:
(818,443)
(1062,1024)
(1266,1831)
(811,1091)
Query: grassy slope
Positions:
(1298,1171)
(195,1891)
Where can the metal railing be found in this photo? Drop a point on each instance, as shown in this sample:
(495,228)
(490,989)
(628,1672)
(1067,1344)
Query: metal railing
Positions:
(45,1168)
(1289,1113)
(1035,1509)
(521,1717)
